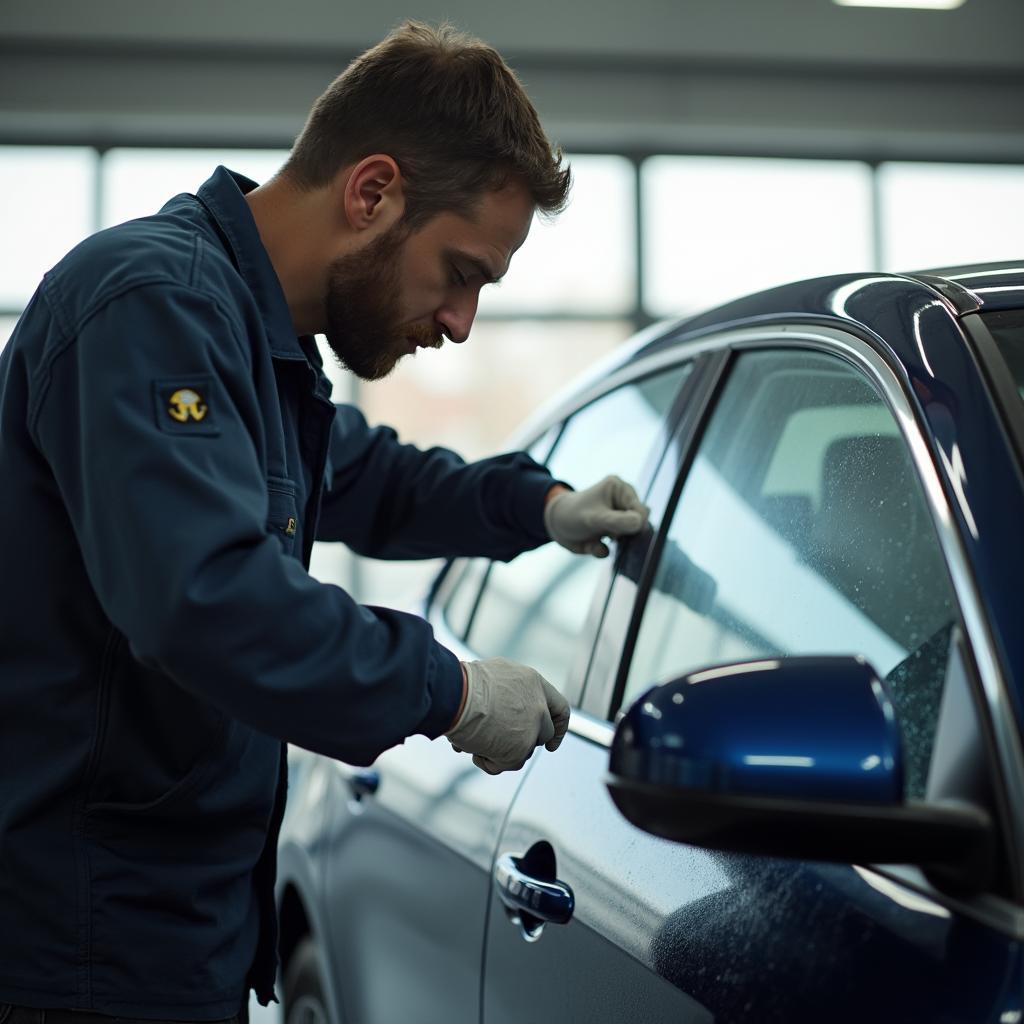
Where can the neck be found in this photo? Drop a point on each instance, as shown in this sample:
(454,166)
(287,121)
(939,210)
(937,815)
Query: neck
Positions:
(293,226)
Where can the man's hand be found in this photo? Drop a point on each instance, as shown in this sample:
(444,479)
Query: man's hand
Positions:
(579,519)
(508,711)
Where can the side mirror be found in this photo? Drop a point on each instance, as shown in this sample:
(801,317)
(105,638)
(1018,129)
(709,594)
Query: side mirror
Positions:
(792,757)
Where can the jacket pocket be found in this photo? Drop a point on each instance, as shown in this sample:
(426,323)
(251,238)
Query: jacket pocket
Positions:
(282,511)
(156,742)
(172,798)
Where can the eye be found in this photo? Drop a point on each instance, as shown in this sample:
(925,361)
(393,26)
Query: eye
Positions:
(459,279)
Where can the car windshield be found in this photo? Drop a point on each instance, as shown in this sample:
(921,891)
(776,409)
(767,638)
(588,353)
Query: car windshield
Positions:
(1008,330)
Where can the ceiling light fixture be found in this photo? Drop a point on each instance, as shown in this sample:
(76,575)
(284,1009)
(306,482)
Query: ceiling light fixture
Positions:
(924,5)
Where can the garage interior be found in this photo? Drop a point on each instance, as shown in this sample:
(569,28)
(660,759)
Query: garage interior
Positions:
(719,148)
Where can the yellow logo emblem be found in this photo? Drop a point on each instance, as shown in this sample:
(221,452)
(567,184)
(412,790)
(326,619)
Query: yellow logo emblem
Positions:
(186,404)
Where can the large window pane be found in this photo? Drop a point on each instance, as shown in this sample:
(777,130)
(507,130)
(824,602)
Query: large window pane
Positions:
(137,182)
(936,215)
(583,261)
(717,228)
(46,207)
(471,397)
(6,329)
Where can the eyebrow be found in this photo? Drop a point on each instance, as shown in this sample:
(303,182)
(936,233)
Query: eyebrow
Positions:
(477,264)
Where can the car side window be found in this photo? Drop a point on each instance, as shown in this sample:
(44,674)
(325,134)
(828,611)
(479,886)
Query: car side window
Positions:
(533,608)
(468,574)
(802,528)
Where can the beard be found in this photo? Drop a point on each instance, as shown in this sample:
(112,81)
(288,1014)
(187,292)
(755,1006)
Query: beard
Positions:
(364,318)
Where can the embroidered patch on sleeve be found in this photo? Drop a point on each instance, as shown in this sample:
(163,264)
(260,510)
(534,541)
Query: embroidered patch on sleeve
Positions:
(186,405)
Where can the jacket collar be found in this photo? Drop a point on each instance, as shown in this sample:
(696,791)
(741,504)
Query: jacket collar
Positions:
(223,196)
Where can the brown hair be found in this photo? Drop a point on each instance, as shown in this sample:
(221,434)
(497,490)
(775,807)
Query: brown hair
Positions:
(449,111)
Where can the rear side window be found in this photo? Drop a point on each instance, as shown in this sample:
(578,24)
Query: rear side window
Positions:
(532,609)
(469,573)
(802,529)
(1008,331)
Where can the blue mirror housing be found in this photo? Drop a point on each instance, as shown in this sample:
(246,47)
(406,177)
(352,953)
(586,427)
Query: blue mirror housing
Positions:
(791,757)
(807,728)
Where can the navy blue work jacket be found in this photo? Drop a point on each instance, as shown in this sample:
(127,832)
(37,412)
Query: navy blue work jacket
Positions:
(169,452)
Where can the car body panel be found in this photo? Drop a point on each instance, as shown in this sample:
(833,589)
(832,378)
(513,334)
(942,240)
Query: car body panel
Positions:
(593,967)
(401,885)
(736,938)
(408,873)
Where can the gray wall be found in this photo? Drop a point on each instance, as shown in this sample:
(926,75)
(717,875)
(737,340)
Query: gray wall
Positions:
(772,76)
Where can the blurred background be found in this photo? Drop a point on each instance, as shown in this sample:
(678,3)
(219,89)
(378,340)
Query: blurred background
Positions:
(718,148)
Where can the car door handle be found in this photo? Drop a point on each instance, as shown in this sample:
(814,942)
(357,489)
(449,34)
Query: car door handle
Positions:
(364,783)
(550,901)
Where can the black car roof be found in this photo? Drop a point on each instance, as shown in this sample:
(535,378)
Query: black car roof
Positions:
(855,299)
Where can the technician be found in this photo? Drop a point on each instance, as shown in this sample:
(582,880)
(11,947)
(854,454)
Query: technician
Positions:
(169,453)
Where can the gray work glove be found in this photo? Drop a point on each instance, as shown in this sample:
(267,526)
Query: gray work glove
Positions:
(579,519)
(510,710)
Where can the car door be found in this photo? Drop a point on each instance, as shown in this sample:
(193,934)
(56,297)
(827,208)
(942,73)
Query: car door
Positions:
(794,520)
(412,840)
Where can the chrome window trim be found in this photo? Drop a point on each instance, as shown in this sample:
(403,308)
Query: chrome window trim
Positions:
(590,727)
(993,911)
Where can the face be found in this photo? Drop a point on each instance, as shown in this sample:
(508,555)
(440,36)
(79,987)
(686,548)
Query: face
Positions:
(404,291)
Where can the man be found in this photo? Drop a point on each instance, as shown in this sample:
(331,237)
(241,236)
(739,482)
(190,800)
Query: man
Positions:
(169,454)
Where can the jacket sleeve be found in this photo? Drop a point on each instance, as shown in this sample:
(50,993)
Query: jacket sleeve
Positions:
(171,521)
(392,500)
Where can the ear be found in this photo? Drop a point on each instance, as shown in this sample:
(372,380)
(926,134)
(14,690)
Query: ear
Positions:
(372,195)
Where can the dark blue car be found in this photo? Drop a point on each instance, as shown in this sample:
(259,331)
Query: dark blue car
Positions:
(793,785)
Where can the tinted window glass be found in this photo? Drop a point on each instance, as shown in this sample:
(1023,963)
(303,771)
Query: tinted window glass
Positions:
(532,609)
(1008,331)
(802,529)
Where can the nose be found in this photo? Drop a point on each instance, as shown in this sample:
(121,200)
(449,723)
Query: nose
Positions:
(456,316)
